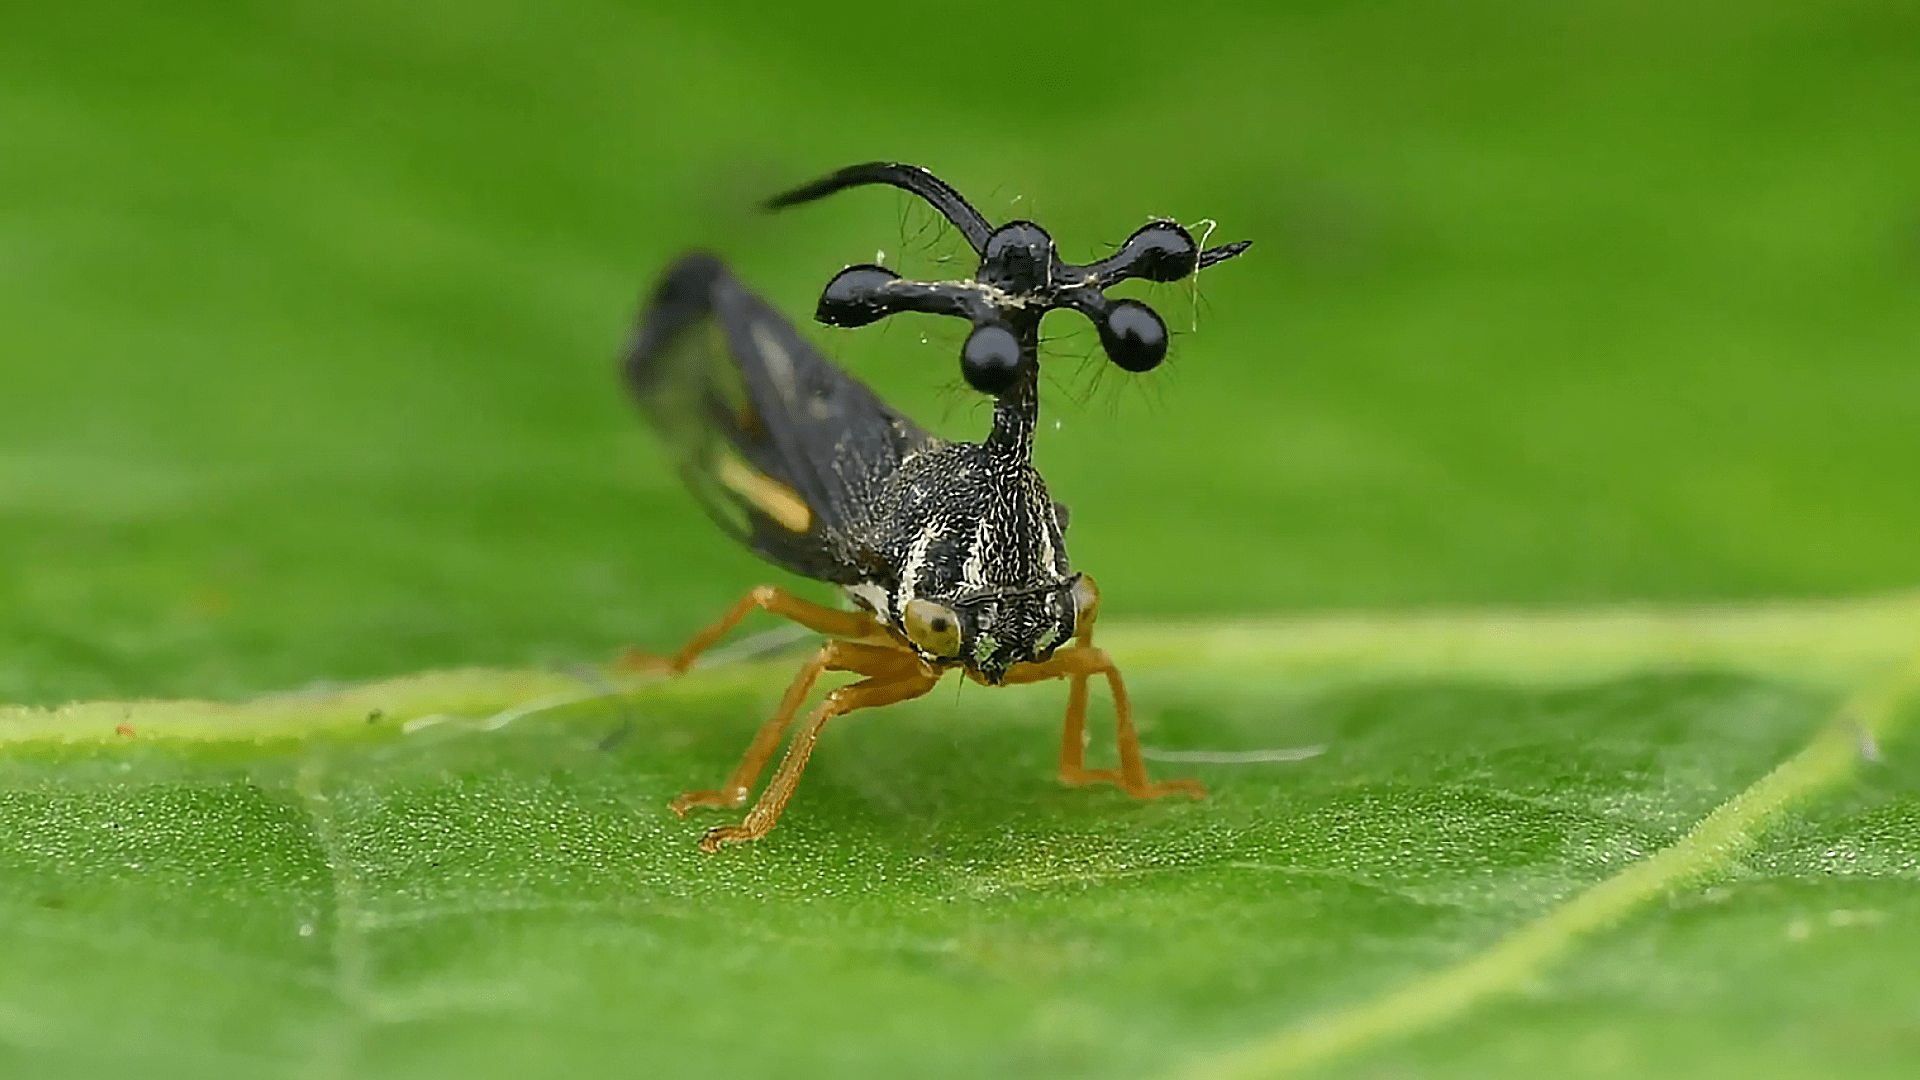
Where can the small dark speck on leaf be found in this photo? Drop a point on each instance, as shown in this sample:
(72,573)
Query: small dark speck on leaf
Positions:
(123,729)
(376,716)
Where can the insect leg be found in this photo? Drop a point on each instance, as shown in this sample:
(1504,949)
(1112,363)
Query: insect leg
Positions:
(893,675)
(1073,732)
(770,598)
(1081,663)
(1073,740)
(740,783)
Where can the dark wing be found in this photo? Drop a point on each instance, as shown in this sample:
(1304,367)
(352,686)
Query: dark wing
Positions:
(786,452)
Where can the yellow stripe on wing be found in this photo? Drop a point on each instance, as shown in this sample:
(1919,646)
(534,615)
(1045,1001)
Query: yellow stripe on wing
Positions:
(769,496)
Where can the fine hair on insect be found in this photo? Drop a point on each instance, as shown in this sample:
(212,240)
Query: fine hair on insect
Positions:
(952,555)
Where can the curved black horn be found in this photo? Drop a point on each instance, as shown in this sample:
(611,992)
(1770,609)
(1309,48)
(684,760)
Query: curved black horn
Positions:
(911,178)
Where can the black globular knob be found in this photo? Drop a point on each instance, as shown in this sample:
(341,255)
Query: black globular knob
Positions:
(1018,257)
(1134,336)
(1161,251)
(991,359)
(856,296)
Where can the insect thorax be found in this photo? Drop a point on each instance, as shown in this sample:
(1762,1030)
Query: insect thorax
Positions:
(971,527)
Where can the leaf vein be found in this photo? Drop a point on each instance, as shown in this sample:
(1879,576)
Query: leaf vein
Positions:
(1711,845)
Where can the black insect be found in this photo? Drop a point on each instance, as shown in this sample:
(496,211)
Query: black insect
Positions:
(953,553)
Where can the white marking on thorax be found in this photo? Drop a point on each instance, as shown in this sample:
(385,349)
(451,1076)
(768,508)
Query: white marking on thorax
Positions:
(1046,525)
(910,573)
(973,571)
(871,595)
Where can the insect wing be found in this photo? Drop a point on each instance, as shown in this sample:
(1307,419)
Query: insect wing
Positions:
(786,452)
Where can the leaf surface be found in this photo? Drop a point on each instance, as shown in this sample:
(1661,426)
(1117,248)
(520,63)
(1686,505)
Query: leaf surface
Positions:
(1539,862)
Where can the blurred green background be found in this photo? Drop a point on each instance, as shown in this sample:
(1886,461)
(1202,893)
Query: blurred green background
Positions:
(309,311)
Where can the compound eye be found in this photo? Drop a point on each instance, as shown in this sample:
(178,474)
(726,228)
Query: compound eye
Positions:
(1161,251)
(991,359)
(856,296)
(1134,336)
(934,629)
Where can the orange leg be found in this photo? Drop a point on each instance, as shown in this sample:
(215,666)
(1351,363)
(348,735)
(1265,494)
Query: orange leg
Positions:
(892,675)
(1080,663)
(1073,733)
(770,598)
(740,783)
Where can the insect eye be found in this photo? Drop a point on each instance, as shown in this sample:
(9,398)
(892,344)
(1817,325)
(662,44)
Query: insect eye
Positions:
(991,359)
(1086,601)
(1134,336)
(935,629)
(1162,251)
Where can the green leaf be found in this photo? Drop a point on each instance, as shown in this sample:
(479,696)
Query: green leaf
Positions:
(309,319)
(1601,844)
